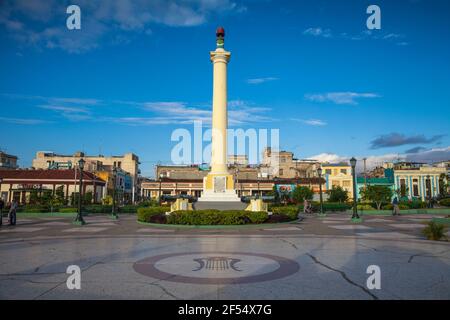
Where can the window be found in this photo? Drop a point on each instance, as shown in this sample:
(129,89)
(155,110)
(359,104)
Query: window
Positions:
(344,171)
(415,187)
(403,190)
(346,183)
(281,172)
(327,171)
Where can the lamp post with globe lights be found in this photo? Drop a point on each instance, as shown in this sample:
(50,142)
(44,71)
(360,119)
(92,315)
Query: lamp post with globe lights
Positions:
(319,172)
(79,219)
(355,216)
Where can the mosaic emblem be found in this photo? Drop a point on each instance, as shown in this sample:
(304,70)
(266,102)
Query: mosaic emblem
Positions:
(217,263)
(216,267)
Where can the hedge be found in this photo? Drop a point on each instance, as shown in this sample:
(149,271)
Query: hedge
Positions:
(290,211)
(445,202)
(68,210)
(145,214)
(401,206)
(97,209)
(413,204)
(216,217)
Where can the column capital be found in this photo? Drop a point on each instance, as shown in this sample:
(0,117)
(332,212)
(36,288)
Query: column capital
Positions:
(220,55)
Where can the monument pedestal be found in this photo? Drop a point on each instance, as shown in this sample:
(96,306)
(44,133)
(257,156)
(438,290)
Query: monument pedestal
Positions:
(219,188)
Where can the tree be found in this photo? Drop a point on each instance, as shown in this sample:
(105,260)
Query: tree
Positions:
(107,201)
(60,197)
(443,185)
(377,194)
(301,193)
(337,194)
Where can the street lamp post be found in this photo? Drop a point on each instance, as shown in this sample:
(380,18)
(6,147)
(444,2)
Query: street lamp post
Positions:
(319,172)
(355,216)
(259,192)
(79,219)
(114,213)
(160,187)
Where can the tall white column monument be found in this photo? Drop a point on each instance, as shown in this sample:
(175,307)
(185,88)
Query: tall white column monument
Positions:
(218,185)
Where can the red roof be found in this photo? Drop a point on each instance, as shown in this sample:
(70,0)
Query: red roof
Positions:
(46,175)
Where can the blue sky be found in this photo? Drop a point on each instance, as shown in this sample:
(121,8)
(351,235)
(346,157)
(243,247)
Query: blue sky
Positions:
(137,70)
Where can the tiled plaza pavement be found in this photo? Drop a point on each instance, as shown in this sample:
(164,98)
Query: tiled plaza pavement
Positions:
(316,258)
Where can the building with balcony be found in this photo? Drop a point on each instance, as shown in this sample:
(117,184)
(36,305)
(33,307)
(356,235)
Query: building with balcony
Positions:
(7,161)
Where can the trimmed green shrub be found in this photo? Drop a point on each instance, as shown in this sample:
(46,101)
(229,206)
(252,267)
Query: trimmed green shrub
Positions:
(290,211)
(365,207)
(68,210)
(145,214)
(401,206)
(336,206)
(434,231)
(445,202)
(216,217)
(97,209)
(35,209)
(258,216)
(413,204)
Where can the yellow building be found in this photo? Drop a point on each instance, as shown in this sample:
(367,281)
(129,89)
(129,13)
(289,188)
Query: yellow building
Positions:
(338,175)
(128,162)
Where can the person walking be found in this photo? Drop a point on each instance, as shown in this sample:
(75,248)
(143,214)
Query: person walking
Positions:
(306,206)
(395,207)
(13,212)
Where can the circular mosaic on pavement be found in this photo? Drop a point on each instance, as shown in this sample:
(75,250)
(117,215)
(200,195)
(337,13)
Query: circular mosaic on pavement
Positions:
(216,267)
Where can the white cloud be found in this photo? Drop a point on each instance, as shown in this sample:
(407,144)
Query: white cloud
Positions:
(38,22)
(311,122)
(393,36)
(340,97)
(318,32)
(159,113)
(69,112)
(239,112)
(23,121)
(372,161)
(261,80)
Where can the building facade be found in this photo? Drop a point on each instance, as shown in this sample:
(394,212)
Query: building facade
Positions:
(7,161)
(151,189)
(382,181)
(418,181)
(128,162)
(282,164)
(338,175)
(122,182)
(19,184)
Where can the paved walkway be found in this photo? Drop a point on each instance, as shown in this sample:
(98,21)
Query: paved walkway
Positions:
(314,259)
